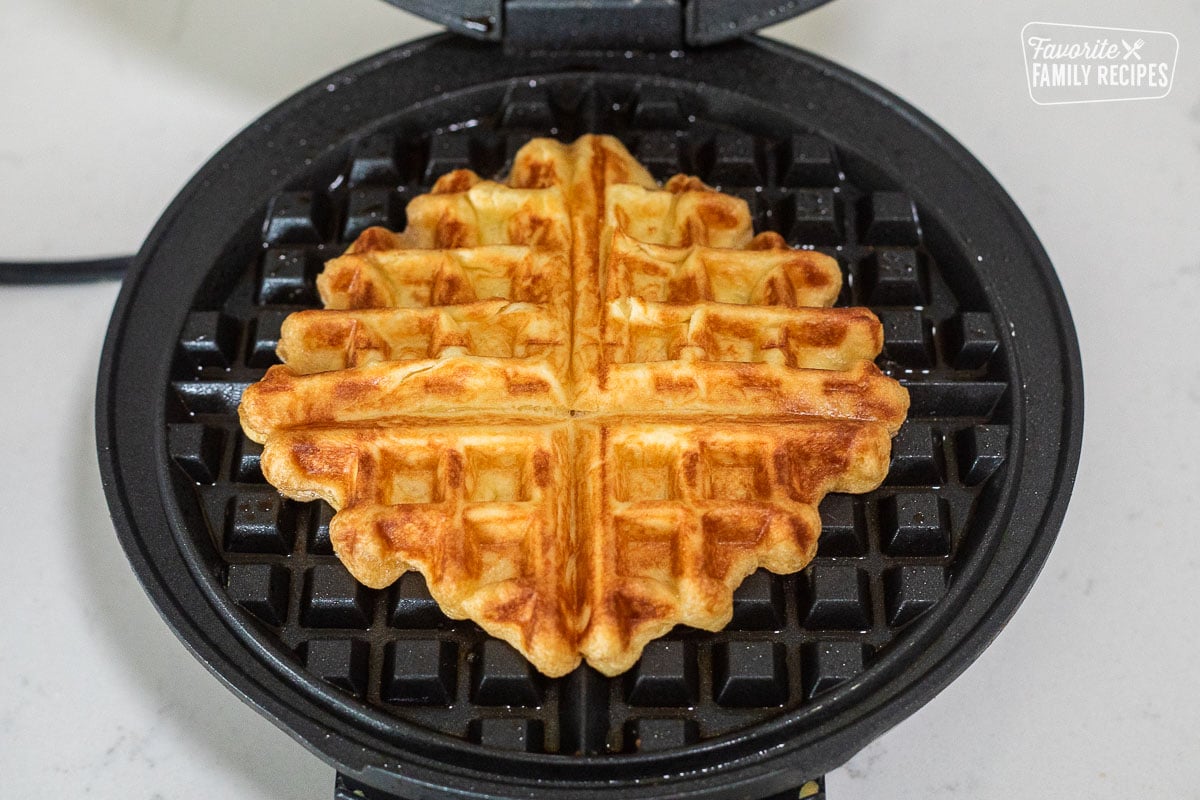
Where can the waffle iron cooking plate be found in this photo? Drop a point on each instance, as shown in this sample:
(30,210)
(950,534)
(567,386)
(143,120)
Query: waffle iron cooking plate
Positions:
(911,581)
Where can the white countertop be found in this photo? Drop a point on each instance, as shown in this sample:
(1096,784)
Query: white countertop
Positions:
(108,106)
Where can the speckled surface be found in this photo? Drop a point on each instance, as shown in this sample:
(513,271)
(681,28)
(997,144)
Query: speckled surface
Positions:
(110,105)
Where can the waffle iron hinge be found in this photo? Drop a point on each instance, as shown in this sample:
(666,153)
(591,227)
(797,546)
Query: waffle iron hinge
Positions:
(593,25)
(643,25)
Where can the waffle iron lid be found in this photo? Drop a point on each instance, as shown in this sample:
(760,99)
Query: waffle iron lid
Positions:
(606,24)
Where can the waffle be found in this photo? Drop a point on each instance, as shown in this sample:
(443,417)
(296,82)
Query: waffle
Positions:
(583,406)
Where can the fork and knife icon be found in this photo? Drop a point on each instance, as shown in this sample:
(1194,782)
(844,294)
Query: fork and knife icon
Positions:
(1132,49)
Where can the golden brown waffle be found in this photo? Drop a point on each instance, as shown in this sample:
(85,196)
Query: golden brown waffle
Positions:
(583,406)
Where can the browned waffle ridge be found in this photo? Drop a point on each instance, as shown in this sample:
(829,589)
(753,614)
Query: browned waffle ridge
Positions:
(583,406)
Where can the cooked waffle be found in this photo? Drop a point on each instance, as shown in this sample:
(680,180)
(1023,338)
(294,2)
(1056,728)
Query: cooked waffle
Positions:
(583,406)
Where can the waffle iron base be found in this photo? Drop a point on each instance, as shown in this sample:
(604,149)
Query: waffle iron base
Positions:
(911,581)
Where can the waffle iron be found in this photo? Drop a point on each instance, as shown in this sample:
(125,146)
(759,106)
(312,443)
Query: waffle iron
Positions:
(911,581)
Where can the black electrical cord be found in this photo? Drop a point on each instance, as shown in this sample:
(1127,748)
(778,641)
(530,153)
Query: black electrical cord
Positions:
(31,273)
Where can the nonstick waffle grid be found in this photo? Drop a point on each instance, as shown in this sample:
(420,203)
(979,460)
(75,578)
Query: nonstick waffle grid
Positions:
(885,557)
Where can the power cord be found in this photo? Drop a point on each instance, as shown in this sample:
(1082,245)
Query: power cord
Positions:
(36,273)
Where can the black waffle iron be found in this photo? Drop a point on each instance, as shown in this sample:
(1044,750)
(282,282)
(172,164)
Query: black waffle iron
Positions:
(911,582)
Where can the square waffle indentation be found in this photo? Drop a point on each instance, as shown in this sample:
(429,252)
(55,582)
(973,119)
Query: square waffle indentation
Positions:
(265,339)
(488,283)
(749,674)
(906,338)
(981,450)
(889,218)
(497,476)
(894,276)
(496,537)
(375,159)
(333,599)
(318,533)
(666,675)
(412,478)
(210,338)
(835,597)
(261,589)
(341,662)
(736,474)
(648,344)
(288,276)
(911,590)
(657,107)
(648,545)
(301,217)
(915,524)
(527,107)
(916,456)
(500,676)
(447,153)
(368,207)
(659,152)
(807,160)
(412,606)
(842,530)
(811,216)
(650,482)
(758,603)
(732,160)
(259,521)
(645,473)
(247,465)
(970,339)
(414,486)
(825,665)
(420,672)
(196,449)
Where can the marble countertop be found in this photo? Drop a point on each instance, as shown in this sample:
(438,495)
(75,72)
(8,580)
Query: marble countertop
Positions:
(108,107)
